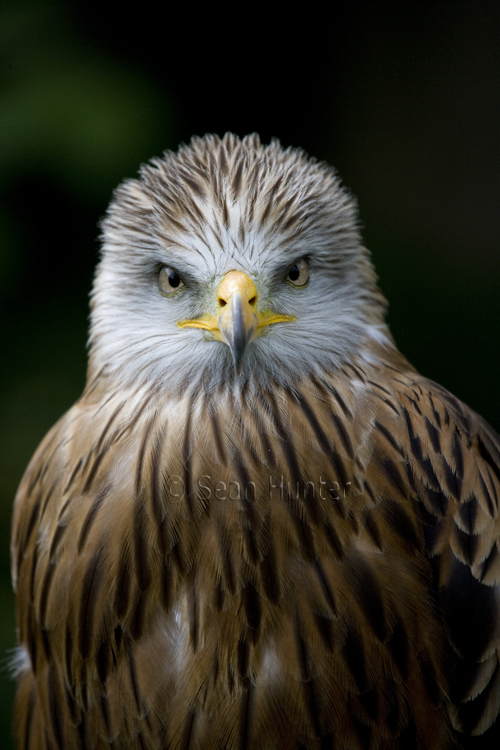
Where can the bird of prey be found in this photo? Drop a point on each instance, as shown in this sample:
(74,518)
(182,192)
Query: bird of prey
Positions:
(259,527)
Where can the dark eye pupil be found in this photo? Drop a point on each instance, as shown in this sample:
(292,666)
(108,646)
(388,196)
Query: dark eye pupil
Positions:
(294,273)
(174,279)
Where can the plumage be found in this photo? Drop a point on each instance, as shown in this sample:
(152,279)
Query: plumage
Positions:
(302,555)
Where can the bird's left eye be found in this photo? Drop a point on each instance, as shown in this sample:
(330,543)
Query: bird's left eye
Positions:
(298,274)
(169,281)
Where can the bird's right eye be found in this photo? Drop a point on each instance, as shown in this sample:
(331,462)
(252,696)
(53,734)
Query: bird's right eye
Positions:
(169,281)
(298,274)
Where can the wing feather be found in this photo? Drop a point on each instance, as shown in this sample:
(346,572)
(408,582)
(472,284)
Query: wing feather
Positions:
(454,457)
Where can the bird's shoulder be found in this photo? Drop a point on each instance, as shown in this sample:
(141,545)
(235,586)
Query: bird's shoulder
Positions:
(441,462)
(451,460)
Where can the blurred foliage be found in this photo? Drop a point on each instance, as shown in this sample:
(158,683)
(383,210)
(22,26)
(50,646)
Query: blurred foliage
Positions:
(404,99)
(70,116)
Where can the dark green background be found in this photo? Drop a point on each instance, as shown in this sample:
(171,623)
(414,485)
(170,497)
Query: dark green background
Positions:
(403,98)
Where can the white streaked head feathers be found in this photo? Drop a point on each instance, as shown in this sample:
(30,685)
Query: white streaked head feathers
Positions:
(220,205)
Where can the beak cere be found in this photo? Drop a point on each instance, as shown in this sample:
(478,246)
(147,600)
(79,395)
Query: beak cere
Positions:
(237,321)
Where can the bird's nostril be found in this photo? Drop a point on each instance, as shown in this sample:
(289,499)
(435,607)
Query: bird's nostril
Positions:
(222,302)
(252,301)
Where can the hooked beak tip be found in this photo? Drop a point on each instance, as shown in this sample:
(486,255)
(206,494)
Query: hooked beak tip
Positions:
(238,328)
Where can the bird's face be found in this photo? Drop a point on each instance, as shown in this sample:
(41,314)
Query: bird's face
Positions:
(199,279)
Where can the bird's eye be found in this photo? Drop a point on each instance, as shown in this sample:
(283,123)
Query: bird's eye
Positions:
(169,281)
(298,274)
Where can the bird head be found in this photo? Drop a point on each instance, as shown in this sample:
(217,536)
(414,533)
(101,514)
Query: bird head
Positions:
(231,262)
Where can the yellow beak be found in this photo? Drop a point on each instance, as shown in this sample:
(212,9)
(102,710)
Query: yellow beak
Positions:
(238,320)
